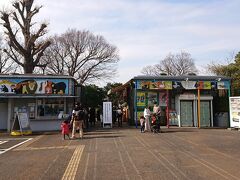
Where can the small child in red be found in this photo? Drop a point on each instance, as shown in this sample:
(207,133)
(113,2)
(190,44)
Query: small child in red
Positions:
(65,129)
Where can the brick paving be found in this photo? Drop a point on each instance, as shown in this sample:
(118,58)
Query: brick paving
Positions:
(125,153)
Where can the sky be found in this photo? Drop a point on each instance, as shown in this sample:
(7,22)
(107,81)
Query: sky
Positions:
(146,31)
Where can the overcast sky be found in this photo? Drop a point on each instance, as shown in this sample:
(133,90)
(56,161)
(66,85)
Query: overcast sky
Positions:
(146,31)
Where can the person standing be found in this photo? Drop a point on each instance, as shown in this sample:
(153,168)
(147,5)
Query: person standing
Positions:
(77,120)
(157,112)
(147,114)
(65,129)
(119,116)
(142,122)
(92,117)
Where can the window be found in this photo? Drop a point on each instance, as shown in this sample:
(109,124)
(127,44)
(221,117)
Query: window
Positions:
(49,107)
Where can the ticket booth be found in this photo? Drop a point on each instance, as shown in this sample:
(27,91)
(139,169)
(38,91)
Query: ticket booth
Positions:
(47,99)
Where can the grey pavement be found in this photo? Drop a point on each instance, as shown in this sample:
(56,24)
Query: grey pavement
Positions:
(125,153)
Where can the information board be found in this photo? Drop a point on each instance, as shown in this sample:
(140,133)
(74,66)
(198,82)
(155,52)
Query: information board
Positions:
(234,111)
(21,124)
(107,114)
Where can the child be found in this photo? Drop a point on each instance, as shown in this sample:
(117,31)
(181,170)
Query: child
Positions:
(65,129)
(142,122)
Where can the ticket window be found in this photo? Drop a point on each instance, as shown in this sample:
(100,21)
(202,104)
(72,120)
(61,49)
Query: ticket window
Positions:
(49,107)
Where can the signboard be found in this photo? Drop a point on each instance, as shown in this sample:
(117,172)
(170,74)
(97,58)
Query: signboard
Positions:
(234,111)
(21,124)
(107,114)
(34,86)
(144,85)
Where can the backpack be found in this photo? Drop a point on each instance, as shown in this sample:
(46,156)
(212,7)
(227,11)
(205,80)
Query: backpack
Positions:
(81,114)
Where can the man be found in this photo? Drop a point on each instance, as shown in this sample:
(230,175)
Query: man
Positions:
(119,116)
(157,111)
(77,120)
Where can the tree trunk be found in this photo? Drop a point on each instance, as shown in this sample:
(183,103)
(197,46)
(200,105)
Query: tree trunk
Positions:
(28,66)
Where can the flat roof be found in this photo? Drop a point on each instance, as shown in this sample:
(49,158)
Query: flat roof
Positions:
(181,78)
(36,76)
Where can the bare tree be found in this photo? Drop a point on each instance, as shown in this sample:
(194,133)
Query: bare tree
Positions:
(7,65)
(172,65)
(23,39)
(82,55)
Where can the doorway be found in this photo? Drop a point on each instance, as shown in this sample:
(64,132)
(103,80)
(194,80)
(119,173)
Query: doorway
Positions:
(205,113)
(3,116)
(186,113)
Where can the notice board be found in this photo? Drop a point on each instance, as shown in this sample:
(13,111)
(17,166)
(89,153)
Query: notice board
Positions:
(21,124)
(234,103)
(107,114)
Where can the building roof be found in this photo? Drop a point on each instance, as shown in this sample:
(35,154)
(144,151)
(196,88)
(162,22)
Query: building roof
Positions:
(182,78)
(16,75)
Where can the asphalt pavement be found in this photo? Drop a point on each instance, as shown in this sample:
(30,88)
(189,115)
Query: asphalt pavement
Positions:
(123,154)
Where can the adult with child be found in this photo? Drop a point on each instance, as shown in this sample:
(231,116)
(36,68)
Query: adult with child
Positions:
(77,120)
(147,114)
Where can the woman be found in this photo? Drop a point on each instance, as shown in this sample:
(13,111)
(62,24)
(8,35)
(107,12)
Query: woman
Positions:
(147,114)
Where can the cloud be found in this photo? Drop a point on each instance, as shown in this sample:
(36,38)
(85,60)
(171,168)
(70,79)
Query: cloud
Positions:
(146,31)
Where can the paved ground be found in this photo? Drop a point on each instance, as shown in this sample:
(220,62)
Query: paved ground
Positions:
(124,153)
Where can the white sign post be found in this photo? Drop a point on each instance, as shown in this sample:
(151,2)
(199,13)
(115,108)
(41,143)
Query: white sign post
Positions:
(234,103)
(107,114)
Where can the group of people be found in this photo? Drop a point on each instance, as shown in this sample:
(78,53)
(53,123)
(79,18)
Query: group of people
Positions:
(81,117)
(150,121)
(117,115)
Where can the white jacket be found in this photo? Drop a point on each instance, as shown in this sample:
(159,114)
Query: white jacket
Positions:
(146,112)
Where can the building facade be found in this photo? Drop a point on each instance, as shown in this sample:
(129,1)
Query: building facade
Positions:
(185,101)
(46,99)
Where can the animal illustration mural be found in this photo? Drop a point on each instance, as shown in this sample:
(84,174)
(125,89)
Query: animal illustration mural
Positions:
(33,86)
(49,87)
(59,88)
(26,87)
(177,85)
(6,86)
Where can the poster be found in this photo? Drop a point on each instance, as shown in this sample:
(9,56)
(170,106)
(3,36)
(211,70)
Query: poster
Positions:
(139,114)
(162,99)
(234,111)
(152,98)
(141,99)
(173,117)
